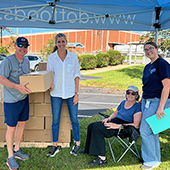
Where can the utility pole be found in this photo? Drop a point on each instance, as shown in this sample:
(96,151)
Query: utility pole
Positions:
(17,32)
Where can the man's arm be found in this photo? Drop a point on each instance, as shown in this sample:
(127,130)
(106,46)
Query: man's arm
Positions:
(21,87)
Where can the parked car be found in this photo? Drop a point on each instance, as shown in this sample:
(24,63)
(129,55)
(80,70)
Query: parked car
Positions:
(2,56)
(34,61)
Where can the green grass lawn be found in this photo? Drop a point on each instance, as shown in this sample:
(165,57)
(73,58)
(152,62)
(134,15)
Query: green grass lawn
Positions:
(65,161)
(117,79)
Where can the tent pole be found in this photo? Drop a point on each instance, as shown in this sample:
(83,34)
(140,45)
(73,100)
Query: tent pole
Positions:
(52,19)
(1,36)
(157,24)
(156,36)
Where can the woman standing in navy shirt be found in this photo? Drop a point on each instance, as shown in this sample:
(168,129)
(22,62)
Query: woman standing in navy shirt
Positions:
(155,98)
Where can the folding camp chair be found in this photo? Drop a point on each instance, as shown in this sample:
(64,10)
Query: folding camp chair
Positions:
(126,145)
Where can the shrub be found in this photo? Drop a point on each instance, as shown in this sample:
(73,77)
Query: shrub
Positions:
(122,59)
(114,57)
(88,61)
(80,60)
(102,59)
(4,50)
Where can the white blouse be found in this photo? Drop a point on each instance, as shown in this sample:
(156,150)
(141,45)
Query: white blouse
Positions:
(64,73)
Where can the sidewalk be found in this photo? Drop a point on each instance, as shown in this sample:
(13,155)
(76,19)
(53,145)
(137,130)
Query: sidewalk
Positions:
(108,68)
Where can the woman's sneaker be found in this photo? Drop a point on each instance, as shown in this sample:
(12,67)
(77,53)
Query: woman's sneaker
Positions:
(11,163)
(54,150)
(75,150)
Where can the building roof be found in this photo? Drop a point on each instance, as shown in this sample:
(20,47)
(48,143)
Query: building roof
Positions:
(75,45)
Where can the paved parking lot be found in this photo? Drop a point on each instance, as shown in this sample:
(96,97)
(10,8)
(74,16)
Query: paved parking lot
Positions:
(93,100)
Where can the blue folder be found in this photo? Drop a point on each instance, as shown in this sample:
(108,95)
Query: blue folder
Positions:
(159,125)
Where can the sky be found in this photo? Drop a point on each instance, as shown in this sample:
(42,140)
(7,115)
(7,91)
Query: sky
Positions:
(33,30)
(29,30)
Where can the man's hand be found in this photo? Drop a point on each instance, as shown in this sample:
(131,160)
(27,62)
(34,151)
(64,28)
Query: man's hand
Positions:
(23,89)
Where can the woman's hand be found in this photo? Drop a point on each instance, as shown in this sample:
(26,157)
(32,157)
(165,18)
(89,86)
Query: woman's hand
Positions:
(51,87)
(112,125)
(106,120)
(76,99)
(160,113)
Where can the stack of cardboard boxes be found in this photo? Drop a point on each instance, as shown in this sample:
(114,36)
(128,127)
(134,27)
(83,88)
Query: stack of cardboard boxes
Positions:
(38,127)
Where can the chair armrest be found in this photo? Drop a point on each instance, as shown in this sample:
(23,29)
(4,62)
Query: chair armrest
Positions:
(104,115)
(119,129)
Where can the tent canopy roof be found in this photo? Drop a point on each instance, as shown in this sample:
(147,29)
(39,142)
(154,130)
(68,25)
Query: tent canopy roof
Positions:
(140,15)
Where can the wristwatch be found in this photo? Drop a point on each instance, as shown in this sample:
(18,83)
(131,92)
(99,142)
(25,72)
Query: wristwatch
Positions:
(77,93)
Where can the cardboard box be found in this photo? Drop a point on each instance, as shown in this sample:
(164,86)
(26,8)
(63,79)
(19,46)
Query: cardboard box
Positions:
(1,108)
(42,109)
(37,97)
(65,123)
(3,135)
(31,109)
(38,81)
(64,110)
(2,124)
(37,135)
(47,96)
(1,92)
(42,66)
(64,136)
(35,123)
(40,97)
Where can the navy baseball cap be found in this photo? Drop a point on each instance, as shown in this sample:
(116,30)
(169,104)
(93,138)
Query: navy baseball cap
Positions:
(21,40)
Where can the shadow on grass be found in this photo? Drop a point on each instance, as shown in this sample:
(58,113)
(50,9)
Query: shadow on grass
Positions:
(89,112)
(133,72)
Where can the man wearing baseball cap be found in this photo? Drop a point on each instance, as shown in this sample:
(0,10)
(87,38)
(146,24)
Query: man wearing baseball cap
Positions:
(15,98)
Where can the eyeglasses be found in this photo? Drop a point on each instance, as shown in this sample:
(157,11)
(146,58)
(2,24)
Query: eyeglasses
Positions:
(132,93)
(21,45)
(150,48)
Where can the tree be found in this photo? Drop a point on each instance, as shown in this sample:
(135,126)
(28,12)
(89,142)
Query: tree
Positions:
(47,49)
(5,29)
(163,41)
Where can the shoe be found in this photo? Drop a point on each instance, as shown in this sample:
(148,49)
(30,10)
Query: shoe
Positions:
(98,161)
(75,150)
(82,152)
(20,155)
(54,150)
(149,167)
(11,163)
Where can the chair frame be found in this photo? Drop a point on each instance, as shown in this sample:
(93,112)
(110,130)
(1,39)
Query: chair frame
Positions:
(124,145)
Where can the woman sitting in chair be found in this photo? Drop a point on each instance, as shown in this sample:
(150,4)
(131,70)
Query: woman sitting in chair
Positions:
(127,113)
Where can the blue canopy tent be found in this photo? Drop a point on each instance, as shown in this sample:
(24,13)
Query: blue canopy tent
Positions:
(137,15)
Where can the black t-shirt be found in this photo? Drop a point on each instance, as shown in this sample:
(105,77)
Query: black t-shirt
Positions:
(153,75)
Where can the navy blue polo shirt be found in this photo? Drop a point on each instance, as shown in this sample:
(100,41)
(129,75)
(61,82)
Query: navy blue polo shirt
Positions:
(153,75)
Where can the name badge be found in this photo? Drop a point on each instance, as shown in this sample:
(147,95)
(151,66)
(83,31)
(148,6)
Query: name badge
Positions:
(147,104)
